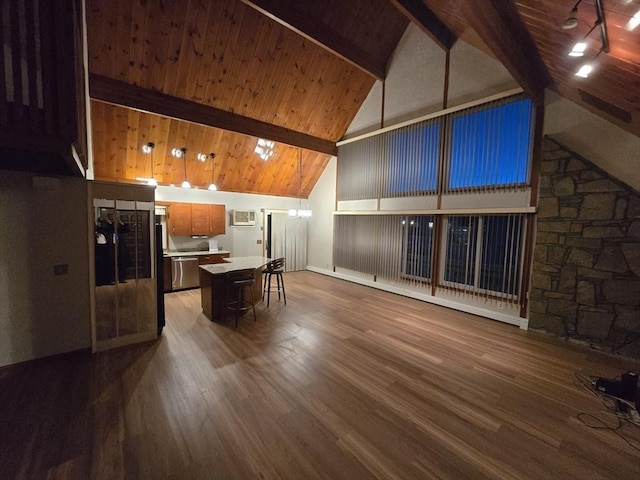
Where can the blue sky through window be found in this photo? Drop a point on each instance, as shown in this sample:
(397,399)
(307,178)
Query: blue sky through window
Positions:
(491,146)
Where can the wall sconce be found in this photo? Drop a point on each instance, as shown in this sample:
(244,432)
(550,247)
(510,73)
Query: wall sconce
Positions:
(212,186)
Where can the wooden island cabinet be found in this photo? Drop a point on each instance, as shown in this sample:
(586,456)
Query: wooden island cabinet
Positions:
(196,219)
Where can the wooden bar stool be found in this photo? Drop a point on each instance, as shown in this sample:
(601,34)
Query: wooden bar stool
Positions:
(237,284)
(274,267)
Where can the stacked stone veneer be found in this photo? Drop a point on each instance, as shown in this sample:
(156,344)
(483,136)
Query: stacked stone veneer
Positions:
(586,269)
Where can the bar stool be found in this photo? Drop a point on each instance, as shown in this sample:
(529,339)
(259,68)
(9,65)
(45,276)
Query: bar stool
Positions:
(237,283)
(274,267)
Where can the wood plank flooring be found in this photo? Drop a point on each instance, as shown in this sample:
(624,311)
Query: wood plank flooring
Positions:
(344,382)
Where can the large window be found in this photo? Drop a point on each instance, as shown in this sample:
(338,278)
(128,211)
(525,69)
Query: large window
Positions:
(412,159)
(491,146)
(479,148)
(484,252)
(462,240)
(417,246)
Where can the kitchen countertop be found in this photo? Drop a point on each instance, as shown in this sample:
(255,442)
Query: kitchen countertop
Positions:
(236,263)
(194,254)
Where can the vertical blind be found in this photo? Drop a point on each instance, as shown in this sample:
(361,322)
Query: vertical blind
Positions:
(482,148)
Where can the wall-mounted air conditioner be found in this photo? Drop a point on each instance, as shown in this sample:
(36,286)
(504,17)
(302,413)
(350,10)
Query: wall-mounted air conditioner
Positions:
(244,217)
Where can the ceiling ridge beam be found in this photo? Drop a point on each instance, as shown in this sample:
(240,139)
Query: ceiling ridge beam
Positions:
(500,27)
(123,94)
(290,17)
(424,18)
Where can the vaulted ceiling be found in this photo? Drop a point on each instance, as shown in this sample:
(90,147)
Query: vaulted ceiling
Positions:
(217,76)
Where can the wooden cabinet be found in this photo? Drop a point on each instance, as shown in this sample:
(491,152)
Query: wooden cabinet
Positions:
(212,258)
(180,218)
(217,219)
(197,219)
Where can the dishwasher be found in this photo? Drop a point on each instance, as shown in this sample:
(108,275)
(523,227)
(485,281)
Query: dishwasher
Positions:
(185,273)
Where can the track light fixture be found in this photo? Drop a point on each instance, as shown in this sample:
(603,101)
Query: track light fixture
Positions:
(580,48)
(572,20)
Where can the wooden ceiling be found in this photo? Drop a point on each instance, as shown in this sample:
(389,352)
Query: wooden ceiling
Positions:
(255,76)
(217,76)
(613,88)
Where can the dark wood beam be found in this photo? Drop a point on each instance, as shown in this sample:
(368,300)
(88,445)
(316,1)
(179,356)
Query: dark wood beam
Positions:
(427,21)
(499,25)
(285,13)
(150,101)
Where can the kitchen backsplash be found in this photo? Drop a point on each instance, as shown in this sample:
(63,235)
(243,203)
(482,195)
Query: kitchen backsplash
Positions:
(179,243)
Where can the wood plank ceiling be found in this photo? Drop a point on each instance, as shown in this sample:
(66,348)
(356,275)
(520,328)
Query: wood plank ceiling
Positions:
(216,76)
(611,91)
(230,56)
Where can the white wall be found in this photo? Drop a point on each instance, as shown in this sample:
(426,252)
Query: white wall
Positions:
(320,233)
(41,313)
(415,81)
(239,240)
(609,147)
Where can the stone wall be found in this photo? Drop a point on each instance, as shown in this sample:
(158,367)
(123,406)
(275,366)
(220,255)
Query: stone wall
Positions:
(586,270)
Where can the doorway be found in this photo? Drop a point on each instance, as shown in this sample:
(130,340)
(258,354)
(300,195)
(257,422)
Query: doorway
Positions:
(286,237)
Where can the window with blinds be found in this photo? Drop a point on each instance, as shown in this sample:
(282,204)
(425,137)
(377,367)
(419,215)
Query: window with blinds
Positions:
(483,253)
(417,246)
(491,146)
(478,148)
(479,250)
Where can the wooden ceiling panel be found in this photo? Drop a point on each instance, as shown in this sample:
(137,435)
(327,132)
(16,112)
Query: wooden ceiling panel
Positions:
(229,56)
(616,76)
(120,134)
(232,77)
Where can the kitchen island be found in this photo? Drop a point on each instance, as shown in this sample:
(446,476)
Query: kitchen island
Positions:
(213,284)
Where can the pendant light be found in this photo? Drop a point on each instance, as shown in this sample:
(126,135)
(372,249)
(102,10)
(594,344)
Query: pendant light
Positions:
(300,212)
(182,152)
(212,186)
(148,148)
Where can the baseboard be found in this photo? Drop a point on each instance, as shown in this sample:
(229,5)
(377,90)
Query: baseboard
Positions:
(474,310)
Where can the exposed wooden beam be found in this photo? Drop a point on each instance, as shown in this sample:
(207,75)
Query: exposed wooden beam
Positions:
(499,25)
(150,101)
(286,13)
(427,21)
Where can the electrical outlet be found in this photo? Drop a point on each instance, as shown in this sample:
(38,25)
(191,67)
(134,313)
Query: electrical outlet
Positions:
(62,269)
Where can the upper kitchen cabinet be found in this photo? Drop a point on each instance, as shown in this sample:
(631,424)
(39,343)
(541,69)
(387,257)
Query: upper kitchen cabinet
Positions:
(217,220)
(197,219)
(180,219)
(42,88)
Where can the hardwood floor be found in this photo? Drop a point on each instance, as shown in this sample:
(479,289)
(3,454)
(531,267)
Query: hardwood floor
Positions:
(344,382)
